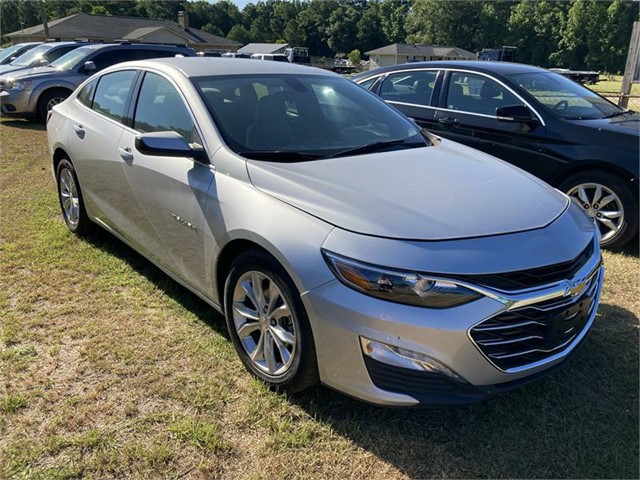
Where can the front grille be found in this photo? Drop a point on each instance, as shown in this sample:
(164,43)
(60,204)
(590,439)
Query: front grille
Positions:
(530,334)
(3,86)
(534,277)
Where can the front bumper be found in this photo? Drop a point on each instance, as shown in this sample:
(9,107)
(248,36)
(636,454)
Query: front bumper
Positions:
(16,103)
(340,316)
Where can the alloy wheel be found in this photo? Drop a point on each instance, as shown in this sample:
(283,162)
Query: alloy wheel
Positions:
(264,324)
(54,101)
(69,197)
(601,203)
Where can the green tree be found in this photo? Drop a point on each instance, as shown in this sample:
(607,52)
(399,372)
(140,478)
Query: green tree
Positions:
(240,34)
(393,17)
(617,33)
(354,56)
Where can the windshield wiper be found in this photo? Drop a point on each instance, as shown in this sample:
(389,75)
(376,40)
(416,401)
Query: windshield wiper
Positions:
(375,147)
(280,155)
(617,114)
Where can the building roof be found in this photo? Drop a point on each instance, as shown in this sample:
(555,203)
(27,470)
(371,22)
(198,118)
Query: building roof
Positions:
(422,50)
(262,47)
(114,27)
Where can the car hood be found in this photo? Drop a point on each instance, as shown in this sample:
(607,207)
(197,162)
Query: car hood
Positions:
(627,124)
(7,69)
(441,192)
(33,73)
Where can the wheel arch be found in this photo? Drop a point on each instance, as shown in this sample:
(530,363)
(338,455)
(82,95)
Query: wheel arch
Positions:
(593,165)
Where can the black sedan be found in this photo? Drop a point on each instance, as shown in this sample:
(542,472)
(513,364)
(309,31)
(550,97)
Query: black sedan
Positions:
(540,121)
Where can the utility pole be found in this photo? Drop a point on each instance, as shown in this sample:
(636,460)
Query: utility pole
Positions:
(631,67)
(45,25)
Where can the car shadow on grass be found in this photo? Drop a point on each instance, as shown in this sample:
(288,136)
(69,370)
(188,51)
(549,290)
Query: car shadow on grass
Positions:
(24,125)
(580,422)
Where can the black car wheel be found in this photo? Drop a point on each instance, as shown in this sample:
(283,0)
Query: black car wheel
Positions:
(607,199)
(48,100)
(268,324)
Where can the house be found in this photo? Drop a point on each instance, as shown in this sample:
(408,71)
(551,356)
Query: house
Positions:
(273,48)
(402,53)
(107,28)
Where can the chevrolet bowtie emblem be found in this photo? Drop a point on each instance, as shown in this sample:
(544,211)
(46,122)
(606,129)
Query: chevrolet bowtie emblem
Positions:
(575,288)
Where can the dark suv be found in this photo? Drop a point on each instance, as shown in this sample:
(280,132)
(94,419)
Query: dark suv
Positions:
(31,93)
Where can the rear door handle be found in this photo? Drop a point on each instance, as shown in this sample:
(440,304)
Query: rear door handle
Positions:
(79,129)
(448,121)
(125,154)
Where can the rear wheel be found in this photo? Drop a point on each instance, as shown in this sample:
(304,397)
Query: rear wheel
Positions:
(70,196)
(48,100)
(606,198)
(268,324)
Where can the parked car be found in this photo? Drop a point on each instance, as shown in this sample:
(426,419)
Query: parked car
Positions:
(275,57)
(31,93)
(11,53)
(342,243)
(540,121)
(235,55)
(39,56)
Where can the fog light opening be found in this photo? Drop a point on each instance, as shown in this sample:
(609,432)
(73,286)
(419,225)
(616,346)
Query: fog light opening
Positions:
(403,358)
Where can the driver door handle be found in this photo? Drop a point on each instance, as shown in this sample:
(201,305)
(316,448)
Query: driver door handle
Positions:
(125,154)
(448,121)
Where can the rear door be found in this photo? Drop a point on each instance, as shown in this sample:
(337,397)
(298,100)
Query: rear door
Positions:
(165,200)
(96,126)
(467,114)
(413,93)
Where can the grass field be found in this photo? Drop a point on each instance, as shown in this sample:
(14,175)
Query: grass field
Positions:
(109,369)
(613,86)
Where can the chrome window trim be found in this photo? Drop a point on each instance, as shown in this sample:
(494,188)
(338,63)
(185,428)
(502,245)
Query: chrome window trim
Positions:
(449,69)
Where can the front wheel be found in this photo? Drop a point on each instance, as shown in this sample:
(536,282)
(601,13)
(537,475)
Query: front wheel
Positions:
(606,198)
(268,324)
(48,100)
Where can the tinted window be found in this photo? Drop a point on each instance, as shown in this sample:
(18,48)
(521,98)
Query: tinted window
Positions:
(160,108)
(56,53)
(106,59)
(367,84)
(469,92)
(86,94)
(409,87)
(260,116)
(111,93)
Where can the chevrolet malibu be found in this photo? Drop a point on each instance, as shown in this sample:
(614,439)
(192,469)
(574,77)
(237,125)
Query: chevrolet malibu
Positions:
(344,245)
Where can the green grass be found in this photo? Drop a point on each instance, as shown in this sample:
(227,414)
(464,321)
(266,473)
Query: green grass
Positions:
(108,369)
(613,84)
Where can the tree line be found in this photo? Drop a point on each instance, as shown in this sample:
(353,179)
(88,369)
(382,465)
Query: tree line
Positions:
(575,34)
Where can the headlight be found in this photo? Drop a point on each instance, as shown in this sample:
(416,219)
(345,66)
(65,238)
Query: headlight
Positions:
(18,84)
(398,286)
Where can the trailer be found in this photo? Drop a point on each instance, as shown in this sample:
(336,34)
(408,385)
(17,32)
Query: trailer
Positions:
(580,76)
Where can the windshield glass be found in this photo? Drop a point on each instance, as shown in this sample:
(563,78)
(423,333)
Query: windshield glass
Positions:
(68,61)
(32,57)
(9,52)
(565,98)
(303,117)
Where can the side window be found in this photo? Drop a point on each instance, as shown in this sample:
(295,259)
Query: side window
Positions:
(160,108)
(106,59)
(112,92)
(56,53)
(409,87)
(85,96)
(367,84)
(155,53)
(473,93)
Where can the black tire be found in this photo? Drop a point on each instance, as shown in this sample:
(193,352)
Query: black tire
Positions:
(83,225)
(629,226)
(303,370)
(43,102)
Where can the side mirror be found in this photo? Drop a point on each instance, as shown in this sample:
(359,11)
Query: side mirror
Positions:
(12,58)
(89,67)
(168,144)
(515,113)
(42,63)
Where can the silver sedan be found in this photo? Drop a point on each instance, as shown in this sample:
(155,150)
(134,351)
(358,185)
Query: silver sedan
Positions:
(343,244)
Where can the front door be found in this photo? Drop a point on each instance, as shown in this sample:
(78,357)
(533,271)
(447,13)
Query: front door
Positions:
(167,216)
(468,115)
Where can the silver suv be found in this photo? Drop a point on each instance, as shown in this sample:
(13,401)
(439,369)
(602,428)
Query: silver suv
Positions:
(31,93)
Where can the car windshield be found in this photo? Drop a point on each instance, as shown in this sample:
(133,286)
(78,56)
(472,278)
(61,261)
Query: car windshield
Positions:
(565,98)
(69,60)
(32,57)
(303,117)
(9,52)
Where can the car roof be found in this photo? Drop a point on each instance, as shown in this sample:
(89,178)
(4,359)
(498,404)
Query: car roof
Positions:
(206,66)
(501,68)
